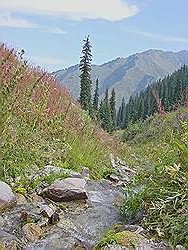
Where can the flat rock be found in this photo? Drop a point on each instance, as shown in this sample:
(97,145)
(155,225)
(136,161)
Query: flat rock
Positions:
(7,197)
(66,190)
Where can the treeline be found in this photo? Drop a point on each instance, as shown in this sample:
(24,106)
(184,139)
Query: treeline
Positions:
(163,96)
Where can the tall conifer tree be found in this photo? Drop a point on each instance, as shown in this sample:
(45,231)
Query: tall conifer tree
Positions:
(85,77)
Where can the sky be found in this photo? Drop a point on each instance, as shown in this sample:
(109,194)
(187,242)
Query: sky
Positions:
(52,31)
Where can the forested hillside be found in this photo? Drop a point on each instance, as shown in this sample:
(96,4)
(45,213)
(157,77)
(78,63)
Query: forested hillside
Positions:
(165,95)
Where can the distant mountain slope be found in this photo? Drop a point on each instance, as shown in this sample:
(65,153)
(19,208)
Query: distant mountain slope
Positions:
(127,75)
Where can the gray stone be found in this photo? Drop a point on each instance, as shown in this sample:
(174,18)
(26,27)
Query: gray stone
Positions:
(113,178)
(85,172)
(9,241)
(66,190)
(180,247)
(46,210)
(7,197)
(57,242)
(75,175)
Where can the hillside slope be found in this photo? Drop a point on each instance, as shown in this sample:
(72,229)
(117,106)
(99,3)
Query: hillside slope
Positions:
(41,124)
(127,75)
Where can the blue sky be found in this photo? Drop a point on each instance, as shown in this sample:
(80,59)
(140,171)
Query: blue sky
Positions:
(52,31)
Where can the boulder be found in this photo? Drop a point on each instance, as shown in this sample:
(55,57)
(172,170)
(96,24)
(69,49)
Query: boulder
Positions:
(66,190)
(7,197)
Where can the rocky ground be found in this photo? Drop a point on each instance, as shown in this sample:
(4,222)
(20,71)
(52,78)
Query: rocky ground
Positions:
(73,213)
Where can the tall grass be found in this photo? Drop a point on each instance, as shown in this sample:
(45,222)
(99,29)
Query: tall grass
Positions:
(160,146)
(41,124)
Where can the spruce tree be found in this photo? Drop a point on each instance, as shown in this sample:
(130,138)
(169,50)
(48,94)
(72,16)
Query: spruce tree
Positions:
(96,96)
(105,114)
(85,77)
(113,107)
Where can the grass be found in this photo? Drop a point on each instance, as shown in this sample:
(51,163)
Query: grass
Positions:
(159,146)
(42,125)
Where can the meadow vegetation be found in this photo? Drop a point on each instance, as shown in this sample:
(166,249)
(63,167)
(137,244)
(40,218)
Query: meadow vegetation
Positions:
(159,146)
(41,124)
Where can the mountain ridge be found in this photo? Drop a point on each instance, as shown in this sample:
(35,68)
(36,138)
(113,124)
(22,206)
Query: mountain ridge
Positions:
(127,75)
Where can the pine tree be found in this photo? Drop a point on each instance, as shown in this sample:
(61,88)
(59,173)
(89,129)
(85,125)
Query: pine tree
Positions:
(105,114)
(121,114)
(96,96)
(85,78)
(113,107)
(162,96)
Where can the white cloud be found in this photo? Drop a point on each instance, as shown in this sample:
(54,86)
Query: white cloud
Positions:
(111,10)
(6,20)
(161,37)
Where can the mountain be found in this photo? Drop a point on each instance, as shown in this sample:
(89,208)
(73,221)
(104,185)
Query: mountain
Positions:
(127,75)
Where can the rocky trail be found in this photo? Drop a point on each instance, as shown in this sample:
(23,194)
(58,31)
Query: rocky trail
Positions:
(73,213)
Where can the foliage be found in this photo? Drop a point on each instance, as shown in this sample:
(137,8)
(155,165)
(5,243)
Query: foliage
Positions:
(42,125)
(107,112)
(162,96)
(96,96)
(112,102)
(85,78)
(159,191)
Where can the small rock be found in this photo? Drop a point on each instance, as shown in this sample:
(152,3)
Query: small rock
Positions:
(34,198)
(66,190)
(75,175)
(43,222)
(20,199)
(47,211)
(50,212)
(25,217)
(2,222)
(113,178)
(179,247)
(7,197)
(54,218)
(32,231)
(85,173)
